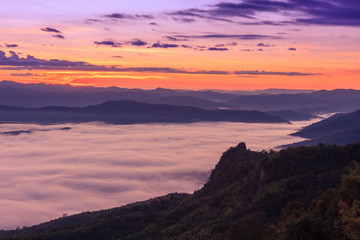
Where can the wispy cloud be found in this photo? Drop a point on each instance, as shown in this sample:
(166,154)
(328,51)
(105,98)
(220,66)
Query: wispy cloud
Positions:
(116,16)
(11,45)
(218,49)
(108,43)
(231,36)
(274,73)
(165,45)
(14,62)
(318,12)
(52,30)
(58,36)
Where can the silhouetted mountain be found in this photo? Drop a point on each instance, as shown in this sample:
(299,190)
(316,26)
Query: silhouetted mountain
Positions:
(289,115)
(41,95)
(249,195)
(315,102)
(188,101)
(340,129)
(129,112)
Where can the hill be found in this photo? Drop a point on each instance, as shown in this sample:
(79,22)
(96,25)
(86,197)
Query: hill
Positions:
(311,102)
(288,194)
(344,100)
(130,112)
(340,129)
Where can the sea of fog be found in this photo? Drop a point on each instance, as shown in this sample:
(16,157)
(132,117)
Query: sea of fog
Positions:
(48,172)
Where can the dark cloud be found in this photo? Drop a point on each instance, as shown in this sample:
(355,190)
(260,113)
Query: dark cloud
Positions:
(116,16)
(11,45)
(153,24)
(117,56)
(14,62)
(108,43)
(184,20)
(23,74)
(233,36)
(217,49)
(165,45)
(274,73)
(199,13)
(58,36)
(319,12)
(263,45)
(260,49)
(175,38)
(48,29)
(92,20)
(137,42)
(292,49)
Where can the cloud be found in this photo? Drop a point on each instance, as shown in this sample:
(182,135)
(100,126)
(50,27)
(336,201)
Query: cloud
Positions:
(265,45)
(117,165)
(165,45)
(274,73)
(153,24)
(117,56)
(108,43)
(233,36)
(175,39)
(197,13)
(58,36)
(11,45)
(23,74)
(217,49)
(318,12)
(137,42)
(184,20)
(116,16)
(292,49)
(14,62)
(92,21)
(53,30)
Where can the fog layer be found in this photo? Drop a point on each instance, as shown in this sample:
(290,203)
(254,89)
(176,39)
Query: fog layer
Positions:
(46,172)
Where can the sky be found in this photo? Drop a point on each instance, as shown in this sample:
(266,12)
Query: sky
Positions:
(50,172)
(182,44)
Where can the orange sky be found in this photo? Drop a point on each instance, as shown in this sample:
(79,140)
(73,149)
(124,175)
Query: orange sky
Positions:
(183,45)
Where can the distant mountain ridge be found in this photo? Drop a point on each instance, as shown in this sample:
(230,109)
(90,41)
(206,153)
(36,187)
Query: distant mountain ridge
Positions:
(340,129)
(303,101)
(130,112)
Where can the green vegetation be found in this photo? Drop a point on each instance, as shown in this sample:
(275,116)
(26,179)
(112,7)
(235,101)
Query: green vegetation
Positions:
(297,193)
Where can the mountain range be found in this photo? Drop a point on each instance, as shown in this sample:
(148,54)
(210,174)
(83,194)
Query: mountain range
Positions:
(312,102)
(129,112)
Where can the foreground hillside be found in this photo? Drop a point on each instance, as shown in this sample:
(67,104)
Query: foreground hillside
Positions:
(290,194)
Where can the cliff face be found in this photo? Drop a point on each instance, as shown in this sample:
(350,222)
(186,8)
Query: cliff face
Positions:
(245,194)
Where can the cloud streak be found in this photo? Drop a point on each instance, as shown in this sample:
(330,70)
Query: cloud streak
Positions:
(14,62)
(317,12)
(231,36)
(274,73)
